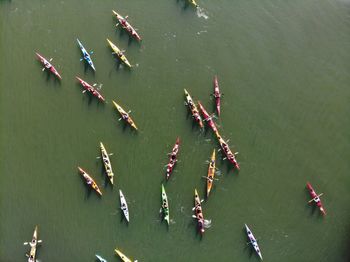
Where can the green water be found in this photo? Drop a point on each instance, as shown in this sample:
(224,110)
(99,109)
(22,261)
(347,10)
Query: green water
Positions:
(283,67)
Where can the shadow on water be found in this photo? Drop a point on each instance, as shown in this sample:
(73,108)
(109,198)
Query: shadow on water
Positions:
(346,244)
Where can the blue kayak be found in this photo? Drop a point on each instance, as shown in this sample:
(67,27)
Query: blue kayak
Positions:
(86,55)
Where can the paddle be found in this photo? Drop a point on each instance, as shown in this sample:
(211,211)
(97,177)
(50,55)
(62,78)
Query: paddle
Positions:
(315,198)
(209,179)
(91,52)
(26,243)
(99,157)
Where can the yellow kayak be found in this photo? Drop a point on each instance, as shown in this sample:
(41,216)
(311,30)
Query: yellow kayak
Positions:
(33,245)
(119,53)
(211,173)
(194,3)
(124,115)
(107,162)
(122,256)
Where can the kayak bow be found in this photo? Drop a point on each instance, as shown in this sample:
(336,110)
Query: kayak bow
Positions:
(122,256)
(101,259)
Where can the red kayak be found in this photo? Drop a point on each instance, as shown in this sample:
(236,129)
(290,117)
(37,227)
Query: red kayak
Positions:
(227,151)
(316,198)
(91,89)
(172,158)
(48,65)
(217,95)
(208,118)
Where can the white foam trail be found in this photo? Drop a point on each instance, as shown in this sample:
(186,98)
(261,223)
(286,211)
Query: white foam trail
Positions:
(201,13)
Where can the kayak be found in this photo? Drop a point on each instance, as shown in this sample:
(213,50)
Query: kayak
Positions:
(101,259)
(172,158)
(33,245)
(315,198)
(122,256)
(119,53)
(90,181)
(253,241)
(198,212)
(126,25)
(217,95)
(193,108)
(86,55)
(208,118)
(91,89)
(194,3)
(165,205)
(125,115)
(106,162)
(48,65)
(211,173)
(124,205)
(227,151)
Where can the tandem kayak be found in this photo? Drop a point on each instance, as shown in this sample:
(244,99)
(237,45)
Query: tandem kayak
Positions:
(253,241)
(316,198)
(33,246)
(91,89)
(48,65)
(208,118)
(90,181)
(124,205)
(227,151)
(172,158)
(86,55)
(217,95)
(126,25)
(125,116)
(107,163)
(119,53)
(193,108)
(198,212)
(211,173)
(165,205)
